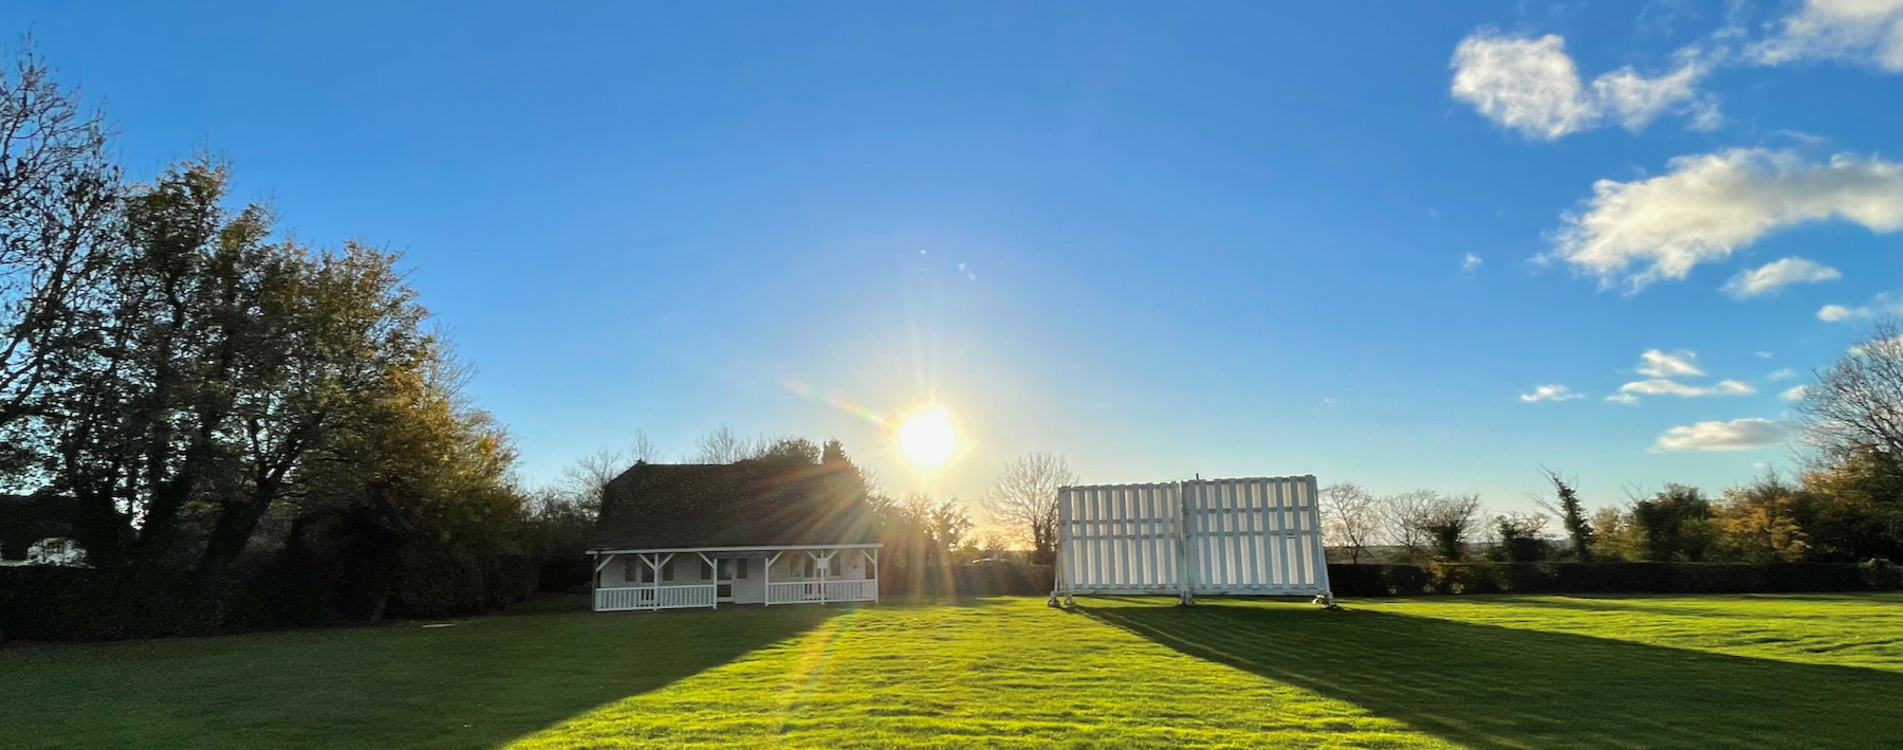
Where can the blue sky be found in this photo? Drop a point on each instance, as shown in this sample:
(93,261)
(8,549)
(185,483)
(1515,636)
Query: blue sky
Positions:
(1226,239)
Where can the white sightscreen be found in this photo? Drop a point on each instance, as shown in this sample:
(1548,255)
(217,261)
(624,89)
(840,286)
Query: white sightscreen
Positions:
(1258,535)
(1121,538)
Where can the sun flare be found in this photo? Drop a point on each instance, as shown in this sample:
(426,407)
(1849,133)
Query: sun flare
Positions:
(927,438)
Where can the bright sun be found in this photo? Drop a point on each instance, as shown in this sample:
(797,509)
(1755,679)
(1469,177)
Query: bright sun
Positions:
(927,438)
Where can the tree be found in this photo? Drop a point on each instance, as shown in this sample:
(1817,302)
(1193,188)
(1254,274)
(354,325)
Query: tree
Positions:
(60,232)
(1403,521)
(1614,535)
(1851,419)
(723,447)
(1759,521)
(1447,522)
(1852,510)
(1674,525)
(1852,411)
(919,531)
(1571,513)
(1521,538)
(797,451)
(1023,499)
(1350,518)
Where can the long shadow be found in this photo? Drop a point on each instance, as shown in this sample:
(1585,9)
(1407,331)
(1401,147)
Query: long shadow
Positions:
(477,684)
(1489,687)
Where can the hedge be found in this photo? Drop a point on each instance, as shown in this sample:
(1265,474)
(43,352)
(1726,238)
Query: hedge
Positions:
(1611,578)
(966,580)
(42,602)
(1464,578)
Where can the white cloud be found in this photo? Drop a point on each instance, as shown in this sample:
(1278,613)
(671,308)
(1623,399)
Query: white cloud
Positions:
(1795,393)
(1735,435)
(1658,364)
(1635,233)
(1470,262)
(1532,86)
(1550,393)
(1663,387)
(1887,303)
(1770,277)
(1764,355)
(1861,31)
(1782,374)
(1623,398)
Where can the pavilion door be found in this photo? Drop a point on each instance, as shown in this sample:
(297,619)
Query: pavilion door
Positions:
(724,573)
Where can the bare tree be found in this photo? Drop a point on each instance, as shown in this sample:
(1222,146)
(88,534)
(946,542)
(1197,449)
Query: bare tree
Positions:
(1024,500)
(60,227)
(1402,520)
(1856,408)
(1350,518)
(722,446)
(585,482)
(643,448)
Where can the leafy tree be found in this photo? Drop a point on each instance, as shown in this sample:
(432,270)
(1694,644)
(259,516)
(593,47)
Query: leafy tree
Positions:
(1852,510)
(796,451)
(1447,523)
(1674,525)
(1759,521)
(1571,513)
(1521,538)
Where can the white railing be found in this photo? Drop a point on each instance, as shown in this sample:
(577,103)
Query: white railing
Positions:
(852,591)
(654,597)
(822,591)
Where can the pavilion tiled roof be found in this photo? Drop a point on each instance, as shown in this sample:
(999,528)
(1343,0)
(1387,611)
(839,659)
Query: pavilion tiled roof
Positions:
(744,504)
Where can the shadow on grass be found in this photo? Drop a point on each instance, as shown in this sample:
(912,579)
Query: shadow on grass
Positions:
(478,684)
(1489,687)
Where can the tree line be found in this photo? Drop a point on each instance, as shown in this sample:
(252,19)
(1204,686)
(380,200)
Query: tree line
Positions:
(1845,505)
(213,402)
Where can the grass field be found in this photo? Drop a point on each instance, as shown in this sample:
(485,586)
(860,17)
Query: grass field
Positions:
(1502,672)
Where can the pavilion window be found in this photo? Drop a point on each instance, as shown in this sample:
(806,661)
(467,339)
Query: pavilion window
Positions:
(667,571)
(706,571)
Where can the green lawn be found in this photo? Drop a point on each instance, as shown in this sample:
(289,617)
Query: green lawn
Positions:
(1501,672)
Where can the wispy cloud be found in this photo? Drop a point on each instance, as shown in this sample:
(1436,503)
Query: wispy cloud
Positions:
(1470,262)
(1795,393)
(1658,364)
(1735,435)
(1663,387)
(1868,32)
(1532,86)
(1553,392)
(1770,277)
(1632,234)
(1783,374)
(1887,303)
(1660,368)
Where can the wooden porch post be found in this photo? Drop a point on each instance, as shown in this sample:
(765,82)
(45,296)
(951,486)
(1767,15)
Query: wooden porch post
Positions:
(766,577)
(716,568)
